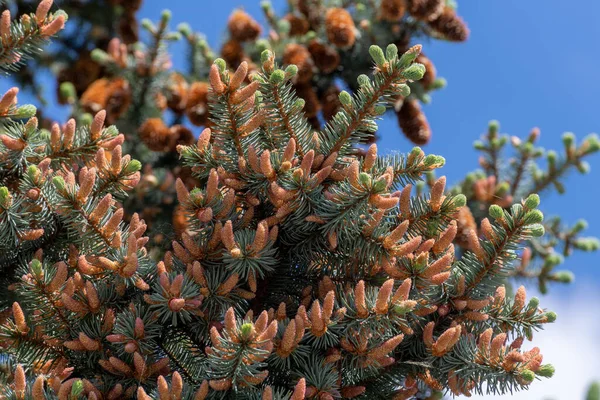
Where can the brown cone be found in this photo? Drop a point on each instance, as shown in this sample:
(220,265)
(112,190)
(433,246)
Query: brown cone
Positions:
(298,25)
(243,27)
(430,71)
(413,122)
(451,26)
(326,57)
(426,10)
(340,27)
(197,104)
(298,55)
(392,10)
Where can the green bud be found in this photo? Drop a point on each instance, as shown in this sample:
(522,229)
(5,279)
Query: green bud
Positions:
(496,211)
(26,111)
(534,302)
(587,244)
(298,105)
(583,167)
(112,131)
(379,185)
(364,179)
(345,98)
(552,156)
(414,72)
(593,392)
(546,370)
(58,13)
(534,217)
(403,307)
(380,109)
(132,167)
(5,197)
(185,29)
(67,91)
(478,145)
(262,45)
(593,143)
(430,159)
(100,56)
(460,200)
(527,375)
(36,266)
(502,189)
(363,80)
(377,54)
(246,329)
(403,89)
(148,25)
(416,152)
(407,58)
(221,64)
(77,389)
(33,172)
(284,26)
(551,316)
(564,276)
(291,71)
(173,36)
(391,51)
(59,183)
(553,259)
(265,5)
(532,201)
(439,83)
(277,77)
(568,139)
(579,226)
(493,127)
(165,16)
(86,119)
(537,230)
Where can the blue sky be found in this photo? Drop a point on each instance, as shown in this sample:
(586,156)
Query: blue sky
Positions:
(527,63)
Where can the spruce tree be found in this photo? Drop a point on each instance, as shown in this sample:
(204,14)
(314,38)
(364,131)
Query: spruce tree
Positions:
(308,265)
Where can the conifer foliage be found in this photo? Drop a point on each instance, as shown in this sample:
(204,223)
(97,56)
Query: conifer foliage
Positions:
(308,267)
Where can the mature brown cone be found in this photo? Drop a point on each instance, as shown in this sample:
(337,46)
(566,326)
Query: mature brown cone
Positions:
(233,53)
(243,27)
(426,10)
(413,122)
(330,102)
(81,74)
(451,26)
(177,93)
(155,134)
(128,28)
(340,27)
(298,24)
(464,223)
(392,10)
(112,95)
(430,71)
(298,55)
(197,103)
(326,57)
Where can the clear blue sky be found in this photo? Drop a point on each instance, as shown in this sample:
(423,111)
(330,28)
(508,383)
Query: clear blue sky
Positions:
(527,63)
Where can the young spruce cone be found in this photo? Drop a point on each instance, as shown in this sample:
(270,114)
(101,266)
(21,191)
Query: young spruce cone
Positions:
(413,122)
(243,27)
(451,26)
(340,27)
